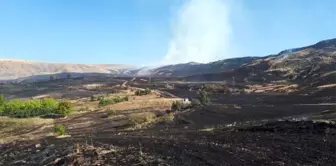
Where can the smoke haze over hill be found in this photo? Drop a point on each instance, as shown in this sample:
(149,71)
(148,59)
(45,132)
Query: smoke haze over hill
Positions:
(201,32)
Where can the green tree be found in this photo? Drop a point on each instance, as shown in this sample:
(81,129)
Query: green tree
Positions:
(204,97)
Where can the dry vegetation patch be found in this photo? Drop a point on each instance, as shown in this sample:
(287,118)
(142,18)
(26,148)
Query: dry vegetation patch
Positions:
(327,86)
(14,128)
(146,119)
(139,102)
(139,119)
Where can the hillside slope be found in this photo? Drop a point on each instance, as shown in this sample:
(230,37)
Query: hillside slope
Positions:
(192,68)
(315,63)
(13,69)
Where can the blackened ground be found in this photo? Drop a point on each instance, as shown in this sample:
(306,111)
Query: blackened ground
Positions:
(276,143)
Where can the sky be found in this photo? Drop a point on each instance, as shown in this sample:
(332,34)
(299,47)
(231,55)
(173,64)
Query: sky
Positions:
(153,32)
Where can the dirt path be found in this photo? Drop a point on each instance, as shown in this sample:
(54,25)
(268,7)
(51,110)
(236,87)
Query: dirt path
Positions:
(124,84)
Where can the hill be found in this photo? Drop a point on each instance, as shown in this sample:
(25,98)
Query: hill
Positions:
(313,64)
(309,63)
(14,69)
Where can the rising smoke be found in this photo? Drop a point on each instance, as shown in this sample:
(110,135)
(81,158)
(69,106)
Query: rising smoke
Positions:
(201,32)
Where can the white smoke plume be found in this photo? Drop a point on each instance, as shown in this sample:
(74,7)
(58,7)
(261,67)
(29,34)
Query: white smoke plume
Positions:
(201,32)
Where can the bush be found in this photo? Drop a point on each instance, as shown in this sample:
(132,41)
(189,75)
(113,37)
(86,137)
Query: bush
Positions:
(204,98)
(59,129)
(112,112)
(178,106)
(2,102)
(64,108)
(93,98)
(1,109)
(137,119)
(195,103)
(104,102)
(143,92)
(49,104)
(147,91)
(101,98)
(2,99)
(166,118)
(34,107)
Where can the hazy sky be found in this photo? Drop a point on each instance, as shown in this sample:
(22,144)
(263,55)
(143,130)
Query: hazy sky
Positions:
(146,32)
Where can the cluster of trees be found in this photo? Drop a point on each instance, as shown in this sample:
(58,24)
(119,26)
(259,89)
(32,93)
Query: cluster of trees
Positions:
(143,92)
(33,107)
(104,102)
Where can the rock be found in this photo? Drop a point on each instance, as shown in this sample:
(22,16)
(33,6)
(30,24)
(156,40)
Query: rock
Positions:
(37,145)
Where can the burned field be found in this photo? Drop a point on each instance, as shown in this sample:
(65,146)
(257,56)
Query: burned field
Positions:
(243,125)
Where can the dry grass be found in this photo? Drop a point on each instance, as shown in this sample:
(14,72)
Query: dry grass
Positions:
(146,119)
(137,120)
(142,102)
(210,129)
(272,88)
(12,129)
(166,118)
(327,86)
(113,112)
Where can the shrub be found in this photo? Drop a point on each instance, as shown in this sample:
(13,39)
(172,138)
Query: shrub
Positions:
(2,102)
(178,106)
(112,112)
(195,103)
(104,102)
(59,129)
(166,118)
(1,109)
(34,107)
(2,99)
(204,98)
(137,119)
(64,108)
(147,91)
(21,109)
(93,98)
(143,92)
(49,104)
